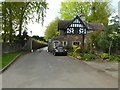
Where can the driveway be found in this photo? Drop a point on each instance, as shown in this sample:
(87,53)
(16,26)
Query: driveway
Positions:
(41,69)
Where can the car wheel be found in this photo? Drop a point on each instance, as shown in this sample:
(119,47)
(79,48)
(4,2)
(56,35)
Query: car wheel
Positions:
(66,54)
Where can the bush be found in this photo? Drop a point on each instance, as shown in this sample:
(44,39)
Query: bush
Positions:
(104,56)
(69,48)
(88,57)
(114,58)
(76,50)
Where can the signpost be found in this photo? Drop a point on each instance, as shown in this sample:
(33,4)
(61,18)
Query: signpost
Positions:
(31,42)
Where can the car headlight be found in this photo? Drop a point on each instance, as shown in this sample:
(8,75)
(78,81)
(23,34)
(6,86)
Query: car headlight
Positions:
(56,50)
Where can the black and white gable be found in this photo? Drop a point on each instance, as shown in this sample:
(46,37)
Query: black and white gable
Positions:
(76,26)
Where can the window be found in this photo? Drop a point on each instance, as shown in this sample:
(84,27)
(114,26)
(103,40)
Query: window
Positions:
(76,43)
(70,30)
(81,31)
(64,43)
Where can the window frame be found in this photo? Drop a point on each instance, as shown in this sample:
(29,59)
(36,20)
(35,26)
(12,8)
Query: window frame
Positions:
(64,43)
(77,42)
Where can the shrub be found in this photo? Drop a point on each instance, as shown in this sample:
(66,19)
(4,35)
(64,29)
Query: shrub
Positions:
(88,57)
(114,58)
(76,50)
(104,56)
(69,48)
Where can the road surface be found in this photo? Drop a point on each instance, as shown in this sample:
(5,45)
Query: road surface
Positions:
(41,69)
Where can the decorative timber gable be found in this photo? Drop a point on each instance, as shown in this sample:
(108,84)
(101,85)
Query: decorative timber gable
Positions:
(76,27)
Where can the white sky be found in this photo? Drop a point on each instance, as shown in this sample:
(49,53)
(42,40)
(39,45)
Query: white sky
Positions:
(52,12)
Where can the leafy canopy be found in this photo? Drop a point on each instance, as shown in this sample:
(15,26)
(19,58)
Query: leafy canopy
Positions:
(52,29)
(96,12)
(16,16)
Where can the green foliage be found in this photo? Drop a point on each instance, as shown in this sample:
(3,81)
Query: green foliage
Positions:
(38,41)
(103,42)
(114,58)
(88,57)
(76,49)
(92,43)
(109,57)
(39,38)
(96,12)
(7,58)
(104,55)
(114,20)
(69,10)
(21,38)
(100,12)
(52,30)
(73,50)
(109,39)
(16,16)
(69,48)
(36,44)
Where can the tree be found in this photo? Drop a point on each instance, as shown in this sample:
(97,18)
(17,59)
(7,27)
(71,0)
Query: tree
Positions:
(103,42)
(114,23)
(93,11)
(113,36)
(0,18)
(107,41)
(16,16)
(92,43)
(52,29)
(110,39)
(69,10)
(100,12)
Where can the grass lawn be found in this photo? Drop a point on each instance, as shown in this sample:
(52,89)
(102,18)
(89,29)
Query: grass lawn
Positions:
(7,58)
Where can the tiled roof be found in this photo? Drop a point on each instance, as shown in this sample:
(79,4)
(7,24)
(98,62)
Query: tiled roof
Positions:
(63,24)
(97,26)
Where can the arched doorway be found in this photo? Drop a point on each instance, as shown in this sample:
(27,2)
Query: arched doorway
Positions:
(56,43)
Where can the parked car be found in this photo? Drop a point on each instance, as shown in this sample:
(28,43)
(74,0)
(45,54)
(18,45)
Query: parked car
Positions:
(59,50)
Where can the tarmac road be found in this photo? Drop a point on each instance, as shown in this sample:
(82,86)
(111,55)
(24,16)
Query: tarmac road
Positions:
(41,69)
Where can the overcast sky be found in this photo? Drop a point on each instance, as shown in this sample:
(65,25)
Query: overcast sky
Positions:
(52,12)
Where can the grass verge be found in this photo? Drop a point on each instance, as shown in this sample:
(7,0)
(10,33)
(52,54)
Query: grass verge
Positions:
(9,57)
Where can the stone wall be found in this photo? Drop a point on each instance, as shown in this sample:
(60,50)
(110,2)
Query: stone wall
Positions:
(7,47)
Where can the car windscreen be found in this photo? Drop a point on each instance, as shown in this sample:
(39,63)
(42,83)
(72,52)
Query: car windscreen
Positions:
(60,48)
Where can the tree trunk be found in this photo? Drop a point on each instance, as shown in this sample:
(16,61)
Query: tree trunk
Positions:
(110,47)
(10,25)
(4,29)
(21,21)
(21,17)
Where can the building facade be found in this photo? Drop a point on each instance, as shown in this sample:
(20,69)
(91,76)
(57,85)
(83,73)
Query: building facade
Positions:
(74,32)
